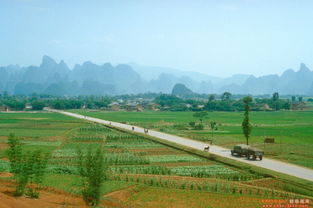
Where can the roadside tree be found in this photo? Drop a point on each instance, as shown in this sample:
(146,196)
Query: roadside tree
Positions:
(246,126)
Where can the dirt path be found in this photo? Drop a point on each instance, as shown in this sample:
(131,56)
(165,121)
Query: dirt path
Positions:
(275,165)
(122,196)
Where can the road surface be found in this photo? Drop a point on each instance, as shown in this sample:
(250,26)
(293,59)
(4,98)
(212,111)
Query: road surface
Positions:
(282,167)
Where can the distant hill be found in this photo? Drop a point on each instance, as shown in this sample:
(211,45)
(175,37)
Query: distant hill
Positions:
(181,90)
(88,78)
(57,79)
(149,73)
(290,82)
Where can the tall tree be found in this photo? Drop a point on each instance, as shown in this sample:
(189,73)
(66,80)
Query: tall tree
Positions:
(275,96)
(300,99)
(28,168)
(246,126)
(226,96)
(213,126)
(92,170)
(211,98)
(276,101)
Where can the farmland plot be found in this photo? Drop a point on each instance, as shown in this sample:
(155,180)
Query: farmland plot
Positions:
(134,161)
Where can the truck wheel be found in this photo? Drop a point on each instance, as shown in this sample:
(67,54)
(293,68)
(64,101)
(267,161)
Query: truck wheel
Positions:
(248,156)
(254,157)
(232,152)
(261,157)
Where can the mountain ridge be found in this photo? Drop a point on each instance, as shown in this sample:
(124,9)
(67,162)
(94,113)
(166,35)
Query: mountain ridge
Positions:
(88,78)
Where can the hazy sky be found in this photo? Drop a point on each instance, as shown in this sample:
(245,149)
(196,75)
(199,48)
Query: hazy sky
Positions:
(217,37)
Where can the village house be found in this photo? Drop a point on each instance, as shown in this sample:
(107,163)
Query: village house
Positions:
(153,106)
(188,105)
(28,106)
(263,107)
(297,106)
(134,107)
(4,108)
(200,106)
(114,106)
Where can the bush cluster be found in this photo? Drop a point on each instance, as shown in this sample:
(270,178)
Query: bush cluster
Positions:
(28,168)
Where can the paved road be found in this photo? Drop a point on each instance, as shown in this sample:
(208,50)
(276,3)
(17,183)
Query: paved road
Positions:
(287,168)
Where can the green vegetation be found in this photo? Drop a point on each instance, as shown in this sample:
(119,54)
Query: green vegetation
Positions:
(28,168)
(92,170)
(203,171)
(185,102)
(138,163)
(174,158)
(125,158)
(225,103)
(246,126)
(292,130)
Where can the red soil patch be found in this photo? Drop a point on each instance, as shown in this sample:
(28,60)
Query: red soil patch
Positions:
(51,199)
(5,159)
(3,138)
(5,175)
(3,146)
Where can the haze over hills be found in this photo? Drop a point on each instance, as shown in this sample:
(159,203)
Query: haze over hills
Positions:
(88,78)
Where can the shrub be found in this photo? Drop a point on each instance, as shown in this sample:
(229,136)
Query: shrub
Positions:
(27,168)
(92,170)
(199,126)
(192,124)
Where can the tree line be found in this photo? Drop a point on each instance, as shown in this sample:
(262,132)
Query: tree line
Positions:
(225,102)
(166,102)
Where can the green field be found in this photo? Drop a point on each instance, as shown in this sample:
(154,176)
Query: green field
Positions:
(292,130)
(139,167)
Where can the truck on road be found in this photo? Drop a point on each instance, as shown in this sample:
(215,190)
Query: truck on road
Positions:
(247,151)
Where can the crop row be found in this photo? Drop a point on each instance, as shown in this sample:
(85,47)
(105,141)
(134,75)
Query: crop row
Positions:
(87,138)
(82,145)
(63,160)
(155,170)
(130,141)
(173,158)
(133,146)
(203,171)
(114,138)
(214,186)
(62,169)
(125,158)
(95,128)
(41,143)
(64,153)
(213,171)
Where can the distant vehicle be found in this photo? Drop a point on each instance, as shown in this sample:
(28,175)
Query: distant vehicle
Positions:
(206,148)
(247,151)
